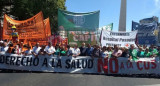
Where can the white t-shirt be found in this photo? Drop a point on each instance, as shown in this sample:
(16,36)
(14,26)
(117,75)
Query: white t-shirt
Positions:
(4,49)
(76,51)
(28,52)
(104,54)
(36,50)
(49,49)
(18,52)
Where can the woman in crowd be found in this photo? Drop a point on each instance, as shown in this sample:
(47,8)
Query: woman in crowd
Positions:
(140,53)
(104,53)
(16,50)
(147,53)
(28,51)
(117,52)
(63,51)
(109,49)
(57,50)
(69,50)
(124,52)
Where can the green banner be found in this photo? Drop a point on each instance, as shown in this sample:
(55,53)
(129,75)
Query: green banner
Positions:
(78,37)
(79,23)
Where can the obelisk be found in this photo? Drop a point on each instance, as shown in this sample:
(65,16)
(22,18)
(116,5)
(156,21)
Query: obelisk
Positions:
(122,20)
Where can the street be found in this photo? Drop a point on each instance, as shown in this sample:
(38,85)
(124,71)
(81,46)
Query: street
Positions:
(61,79)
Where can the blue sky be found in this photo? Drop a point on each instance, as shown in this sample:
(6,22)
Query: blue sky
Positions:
(110,10)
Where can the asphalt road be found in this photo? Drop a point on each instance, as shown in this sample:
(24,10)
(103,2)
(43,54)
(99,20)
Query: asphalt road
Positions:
(58,79)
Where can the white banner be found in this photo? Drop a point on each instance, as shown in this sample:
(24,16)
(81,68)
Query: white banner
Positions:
(80,64)
(122,39)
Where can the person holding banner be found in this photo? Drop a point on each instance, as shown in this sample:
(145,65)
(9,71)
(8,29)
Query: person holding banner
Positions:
(83,49)
(69,50)
(153,50)
(49,49)
(28,51)
(14,35)
(117,52)
(96,52)
(140,52)
(1,44)
(133,53)
(4,47)
(147,53)
(104,53)
(89,50)
(76,51)
(36,50)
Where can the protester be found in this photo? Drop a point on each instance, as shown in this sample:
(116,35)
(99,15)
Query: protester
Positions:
(57,50)
(69,50)
(140,53)
(1,45)
(96,52)
(63,51)
(16,50)
(147,53)
(28,51)
(117,52)
(133,53)
(42,50)
(4,47)
(10,48)
(83,50)
(89,50)
(153,50)
(104,53)
(49,49)
(124,52)
(76,51)
(109,49)
(36,49)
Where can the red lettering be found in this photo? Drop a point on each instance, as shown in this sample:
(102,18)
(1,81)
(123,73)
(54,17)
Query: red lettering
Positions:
(102,65)
(122,65)
(154,65)
(146,65)
(138,65)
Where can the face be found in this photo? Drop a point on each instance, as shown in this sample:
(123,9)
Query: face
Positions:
(75,46)
(49,44)
(37,44)
(83,44)
(88,45)
(132,46)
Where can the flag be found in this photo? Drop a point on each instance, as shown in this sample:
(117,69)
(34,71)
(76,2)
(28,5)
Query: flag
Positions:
(108,27)
(135,26)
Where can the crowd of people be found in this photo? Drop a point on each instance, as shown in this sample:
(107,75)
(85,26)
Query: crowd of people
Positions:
(95,51)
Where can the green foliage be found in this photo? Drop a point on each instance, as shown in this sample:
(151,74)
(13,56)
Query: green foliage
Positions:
(24,9)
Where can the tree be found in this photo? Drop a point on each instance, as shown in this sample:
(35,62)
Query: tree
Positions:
(5,7)
(24,9)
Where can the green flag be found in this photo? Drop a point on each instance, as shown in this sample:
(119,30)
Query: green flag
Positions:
(108,27)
